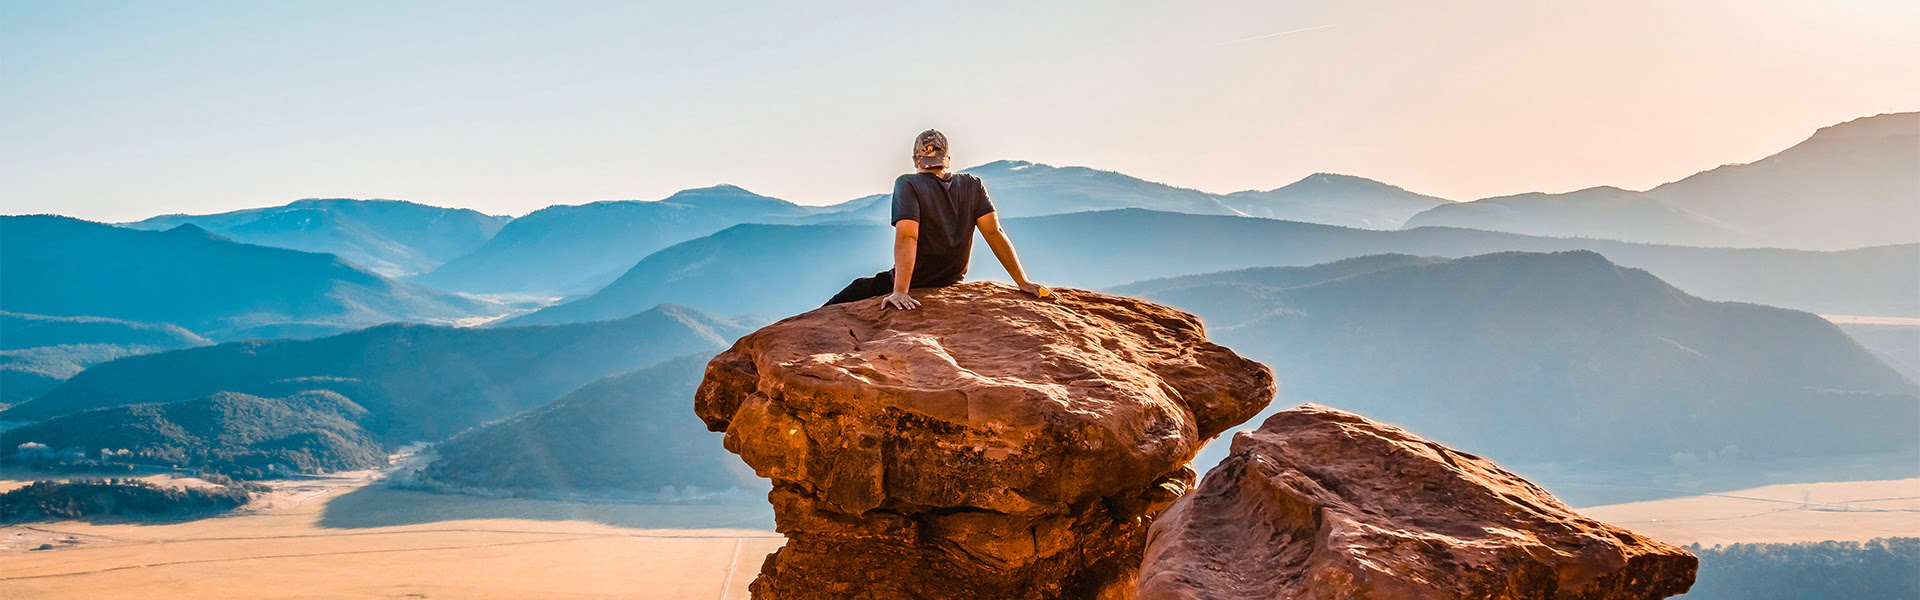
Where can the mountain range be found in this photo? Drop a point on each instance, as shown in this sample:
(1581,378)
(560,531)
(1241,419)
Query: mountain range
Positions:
(784,269)
(1333,199)
(1850,185)
(232,434)
(390,237)
(19,330)
(623,436)
(563,250)
(1608,365)
(210,285)
(37,352)
(416,382)
(1898,345)
(1605,364)
(1027,189)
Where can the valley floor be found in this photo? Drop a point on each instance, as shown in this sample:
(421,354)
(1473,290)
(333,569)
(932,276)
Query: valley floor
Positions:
(1796,512)
(339,537)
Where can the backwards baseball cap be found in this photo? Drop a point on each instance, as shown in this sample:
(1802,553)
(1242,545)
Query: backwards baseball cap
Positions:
(930,149)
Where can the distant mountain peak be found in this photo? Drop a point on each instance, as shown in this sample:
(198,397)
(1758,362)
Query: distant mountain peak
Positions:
(1325,177)
(325,201)
(1578,259)
(1881,125)
(1007,165)
(211,284)
(189,230)
(1598,191)
(724,191)
(1022,167)
(1323,181)
(718,188)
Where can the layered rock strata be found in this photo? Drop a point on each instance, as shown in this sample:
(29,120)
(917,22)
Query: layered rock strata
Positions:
(987,445)
(1324,504)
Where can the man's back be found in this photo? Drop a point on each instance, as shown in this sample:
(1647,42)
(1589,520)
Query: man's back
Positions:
(947,212)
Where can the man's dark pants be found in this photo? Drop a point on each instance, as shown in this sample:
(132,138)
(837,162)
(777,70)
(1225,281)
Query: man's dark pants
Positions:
(880,284)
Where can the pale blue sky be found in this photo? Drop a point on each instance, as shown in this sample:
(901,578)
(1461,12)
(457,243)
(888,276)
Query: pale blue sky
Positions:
(117,111)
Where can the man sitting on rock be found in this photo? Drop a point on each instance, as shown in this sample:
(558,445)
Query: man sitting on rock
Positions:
(934,215)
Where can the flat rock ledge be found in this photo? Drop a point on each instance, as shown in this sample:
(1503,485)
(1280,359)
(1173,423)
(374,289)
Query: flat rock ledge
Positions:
(987,445)
(1324,504)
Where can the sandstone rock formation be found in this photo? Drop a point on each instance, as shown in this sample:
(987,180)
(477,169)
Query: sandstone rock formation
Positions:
(1320,503)
(986,445)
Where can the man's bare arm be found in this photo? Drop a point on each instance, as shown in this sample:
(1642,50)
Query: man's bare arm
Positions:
(989,225)
(906,245)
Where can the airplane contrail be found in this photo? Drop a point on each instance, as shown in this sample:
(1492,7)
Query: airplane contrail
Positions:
(1262,37)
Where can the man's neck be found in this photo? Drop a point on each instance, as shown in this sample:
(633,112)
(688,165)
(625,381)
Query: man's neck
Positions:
(941,173)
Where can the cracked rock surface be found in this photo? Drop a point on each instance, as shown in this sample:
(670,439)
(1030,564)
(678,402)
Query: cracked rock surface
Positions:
(987,445)
(1324,504)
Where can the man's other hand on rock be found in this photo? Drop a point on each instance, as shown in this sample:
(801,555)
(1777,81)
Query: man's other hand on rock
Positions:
(901,300)
(1038,291)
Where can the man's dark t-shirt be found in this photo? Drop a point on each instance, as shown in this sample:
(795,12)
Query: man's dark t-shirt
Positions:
(946,211)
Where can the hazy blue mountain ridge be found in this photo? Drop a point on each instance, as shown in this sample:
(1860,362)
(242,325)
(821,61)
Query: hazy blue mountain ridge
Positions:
(1602,363)
(37,352)
(562,250)
(1898,345)
(745,269)
(874,208)
(786,269)
(1850,185)
(19,330)
(418,382)
(1334,199)
(233,434)
(208,284)
(1024,189)
(391,237)
(625,435)
(1232,297)
(1601,212)
(27,373)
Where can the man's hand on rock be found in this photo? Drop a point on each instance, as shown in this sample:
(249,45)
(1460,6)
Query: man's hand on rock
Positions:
(901,301)
(1039,291)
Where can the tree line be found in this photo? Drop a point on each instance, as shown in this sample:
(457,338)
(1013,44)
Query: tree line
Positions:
(1880,569)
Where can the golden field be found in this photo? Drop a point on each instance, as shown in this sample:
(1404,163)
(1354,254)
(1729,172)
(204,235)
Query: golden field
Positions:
(337,537)
(1796,512)
(340,537)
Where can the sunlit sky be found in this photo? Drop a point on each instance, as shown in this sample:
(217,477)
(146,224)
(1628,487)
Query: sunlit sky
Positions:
(118,111)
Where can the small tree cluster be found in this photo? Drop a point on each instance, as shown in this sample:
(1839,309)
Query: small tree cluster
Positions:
(90,499)
(1886,568)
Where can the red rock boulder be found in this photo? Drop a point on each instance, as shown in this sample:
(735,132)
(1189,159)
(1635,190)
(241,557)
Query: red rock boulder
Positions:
(986,445)
(1324,504)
